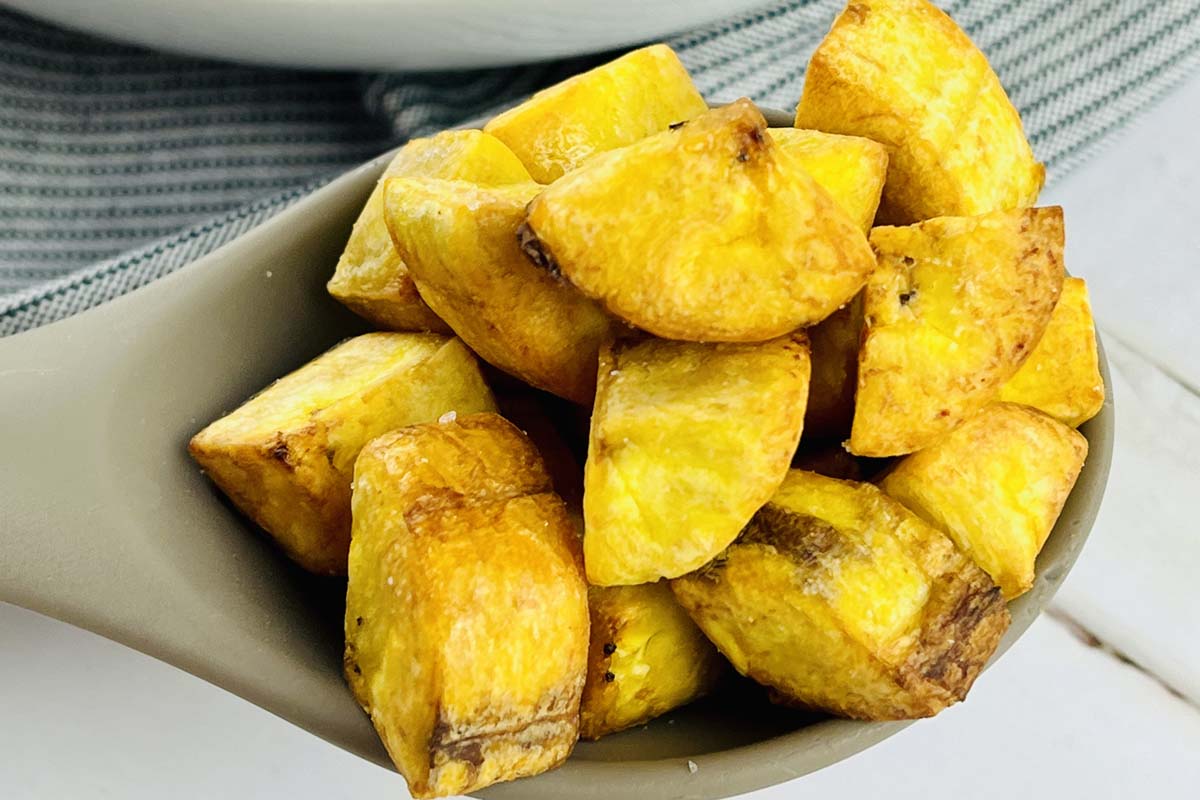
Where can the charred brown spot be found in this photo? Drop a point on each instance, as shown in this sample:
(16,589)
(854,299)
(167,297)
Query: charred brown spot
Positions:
(279,452)
(906,297)
(609,677)
(536,251)
(677,125)
(908,261)
(856,13)
(804,538)
(945,412)
(442,742)
(609,648)
(958,660)
(358,621)
(357,669)
(753,142)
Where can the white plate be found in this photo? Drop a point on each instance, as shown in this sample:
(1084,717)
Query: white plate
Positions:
(383,34)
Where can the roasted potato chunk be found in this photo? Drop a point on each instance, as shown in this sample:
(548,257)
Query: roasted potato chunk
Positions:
(953,309)
(838,598)
(709,232)
(1062,375)
(687,441)
(646,657)
(459,241)
(995,486)
(466,613)
(850,168)
(286,456)
(834,342)
(902,73)
(618,103)
(371,278)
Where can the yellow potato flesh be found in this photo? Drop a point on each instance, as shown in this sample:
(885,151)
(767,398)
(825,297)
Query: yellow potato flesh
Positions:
(953,309)
(687,441)
(371,277)
(285,457)
(850,168)
(638,94)
(1062,375)
(838,598)
(709,232)
(996,486)
(466,613)
(646,657)
(460,243)
(902,73)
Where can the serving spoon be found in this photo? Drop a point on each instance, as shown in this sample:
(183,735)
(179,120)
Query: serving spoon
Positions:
(106,523)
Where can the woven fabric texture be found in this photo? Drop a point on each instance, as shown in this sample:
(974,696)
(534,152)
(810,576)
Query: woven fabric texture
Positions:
(119,165)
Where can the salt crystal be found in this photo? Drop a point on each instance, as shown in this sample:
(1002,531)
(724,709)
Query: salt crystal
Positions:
(692,767)
(269,273)
(447,418)
(391,580)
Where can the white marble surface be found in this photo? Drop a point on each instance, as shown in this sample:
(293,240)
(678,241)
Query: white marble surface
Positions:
(84,718)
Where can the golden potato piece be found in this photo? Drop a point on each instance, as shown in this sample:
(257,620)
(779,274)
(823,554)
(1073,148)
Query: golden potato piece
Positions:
(995,486)
(460,243)
(618,103)
(286,456)
(466,613)
(902,73)
(852,169)
(687,441)
(1062,375)
(646,657)
(954,308)
(709,232)
(371,278)
(839,598)
(834,342)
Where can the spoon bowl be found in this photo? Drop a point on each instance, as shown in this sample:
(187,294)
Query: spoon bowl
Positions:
(107,524)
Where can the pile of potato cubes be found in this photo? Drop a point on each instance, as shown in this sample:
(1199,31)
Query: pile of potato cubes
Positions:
(673,295)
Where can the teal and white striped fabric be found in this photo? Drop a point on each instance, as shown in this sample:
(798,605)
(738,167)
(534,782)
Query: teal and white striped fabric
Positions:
(118,165)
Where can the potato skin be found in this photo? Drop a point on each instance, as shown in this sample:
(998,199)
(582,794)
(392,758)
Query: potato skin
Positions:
(646,658)
(902,73)
(852,169)
(687,441)
(709,232)
(286,456)
(466,612)
(1062,376)
(639,94)
(996,487)
(838,598)
(953,310)
(460,243)
(371,277)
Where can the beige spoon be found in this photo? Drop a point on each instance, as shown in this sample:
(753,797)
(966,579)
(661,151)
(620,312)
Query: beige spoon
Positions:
(105,522)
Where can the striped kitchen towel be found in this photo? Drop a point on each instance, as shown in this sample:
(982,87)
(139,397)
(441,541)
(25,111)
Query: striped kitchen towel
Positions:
(118,165)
